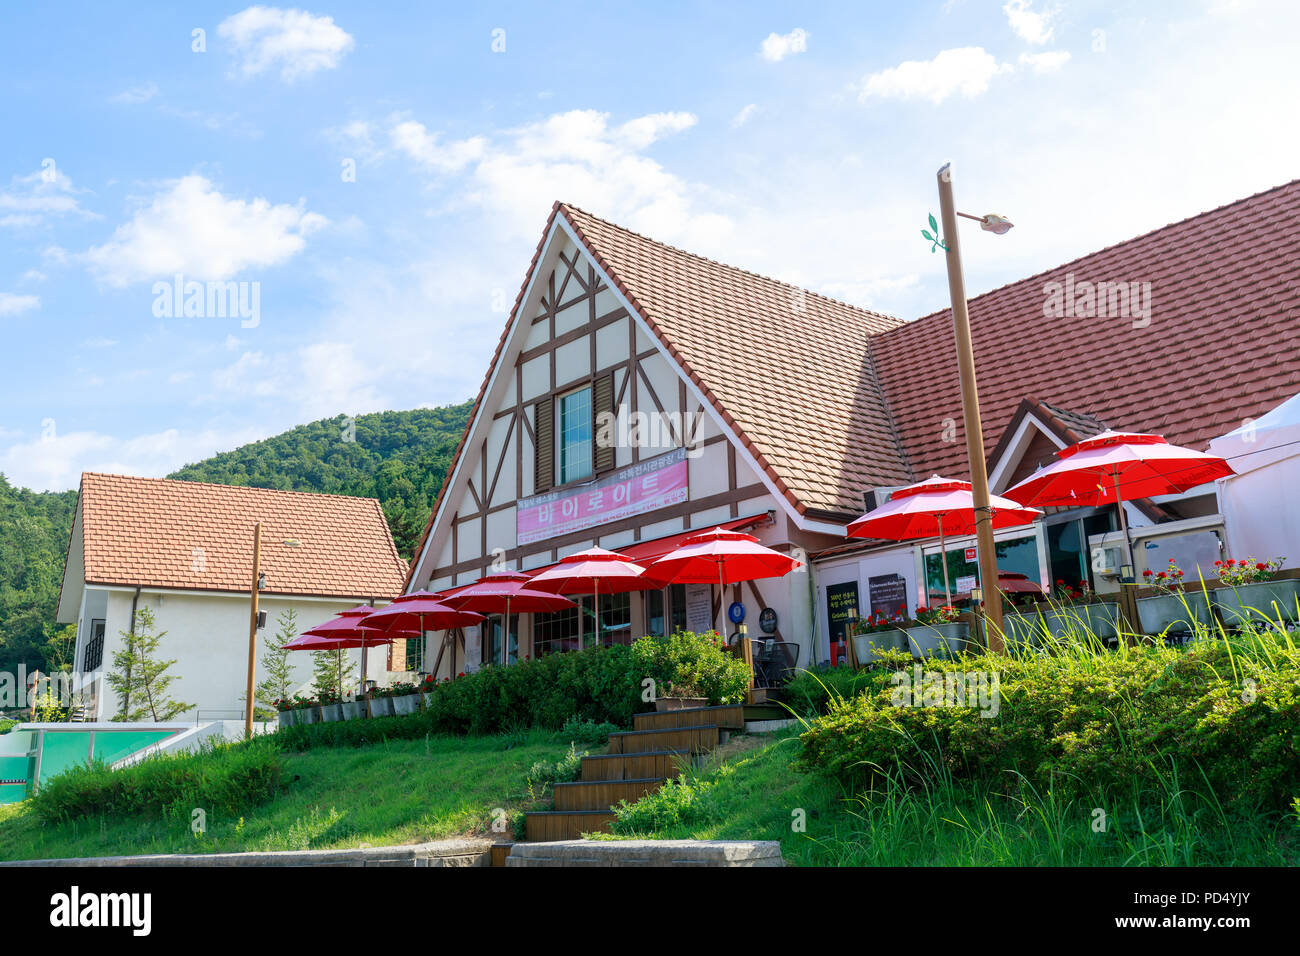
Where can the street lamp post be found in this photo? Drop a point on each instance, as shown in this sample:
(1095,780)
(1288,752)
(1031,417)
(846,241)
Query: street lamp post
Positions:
(979,479)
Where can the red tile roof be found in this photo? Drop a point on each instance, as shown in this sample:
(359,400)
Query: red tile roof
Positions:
(1222,345)
(156,532)
(787,368)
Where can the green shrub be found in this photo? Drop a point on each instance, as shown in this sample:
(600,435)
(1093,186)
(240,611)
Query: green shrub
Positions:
(1083,722)
(689,664)
(544,774)
(7,725)
(225,778)
(811,691)
(590,733)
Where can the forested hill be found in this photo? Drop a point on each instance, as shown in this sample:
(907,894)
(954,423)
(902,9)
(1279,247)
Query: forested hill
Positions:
(398,457)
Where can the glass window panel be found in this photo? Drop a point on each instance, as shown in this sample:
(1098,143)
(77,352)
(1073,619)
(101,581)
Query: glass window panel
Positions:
(575,436)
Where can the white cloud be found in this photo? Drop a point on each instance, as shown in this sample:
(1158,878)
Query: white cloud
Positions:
(419,144)
(1048,62)
(964,70)
(191,228)
(743,117)
(56,464)
(136,94)
(1032,26)
(294,40)
(644,130)
(778,46)
(12,304)
(33,199)
(98,343)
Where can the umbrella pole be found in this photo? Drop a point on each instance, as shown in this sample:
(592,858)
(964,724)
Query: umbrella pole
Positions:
(505,636)
(943,559)
(722,598)
(1123,524)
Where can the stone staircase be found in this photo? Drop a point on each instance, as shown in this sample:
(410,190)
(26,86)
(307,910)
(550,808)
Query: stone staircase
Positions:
(637,762)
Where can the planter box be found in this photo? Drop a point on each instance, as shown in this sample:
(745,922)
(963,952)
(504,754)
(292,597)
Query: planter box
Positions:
(354,709)
(1024,630)
(1101,619)
(306,715)
(331,712)
(285,718)
(663,704)
(868,647)
(936,640)
(1258,602)
(1168,612)
(426,700)
(381,707)
(406,704)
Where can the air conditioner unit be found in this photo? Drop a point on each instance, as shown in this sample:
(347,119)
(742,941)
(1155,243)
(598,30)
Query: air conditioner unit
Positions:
(1107,561)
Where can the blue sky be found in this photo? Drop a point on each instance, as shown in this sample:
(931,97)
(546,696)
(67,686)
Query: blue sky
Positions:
(796,140)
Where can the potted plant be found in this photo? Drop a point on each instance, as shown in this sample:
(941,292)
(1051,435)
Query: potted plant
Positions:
(681,695)
(1252,593)
(938,632)
(1024,622)
(285,712)
(1077,611)
(874,634)
(330,707)
(381,704)
(1173,609)
(354,708)
(307,711)
(405,698)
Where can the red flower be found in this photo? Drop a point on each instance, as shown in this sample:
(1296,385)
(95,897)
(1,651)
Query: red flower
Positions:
(1146,573)
(1261,566)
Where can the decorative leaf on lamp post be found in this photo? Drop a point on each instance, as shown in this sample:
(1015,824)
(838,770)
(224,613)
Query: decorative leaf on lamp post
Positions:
(933,237)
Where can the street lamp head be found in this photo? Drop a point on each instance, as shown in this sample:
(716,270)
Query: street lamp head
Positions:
(261,581)
(998,225)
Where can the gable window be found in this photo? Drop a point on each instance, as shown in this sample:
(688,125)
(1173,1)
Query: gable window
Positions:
(575,435)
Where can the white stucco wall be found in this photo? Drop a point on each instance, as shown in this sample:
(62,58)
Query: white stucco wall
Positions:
(207,635)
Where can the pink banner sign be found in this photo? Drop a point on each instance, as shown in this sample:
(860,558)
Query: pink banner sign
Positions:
(634,490)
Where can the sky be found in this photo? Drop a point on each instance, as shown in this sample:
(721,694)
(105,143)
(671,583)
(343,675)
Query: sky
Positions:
(367,182)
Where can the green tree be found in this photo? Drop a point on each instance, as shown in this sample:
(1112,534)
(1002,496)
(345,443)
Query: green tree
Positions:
(278,682)
(61,649)
(334,669)
(139,678)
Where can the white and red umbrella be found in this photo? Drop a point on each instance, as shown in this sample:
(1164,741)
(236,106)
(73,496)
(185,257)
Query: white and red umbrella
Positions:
(1112,467)
(505,593)
(418,612)
(594,571)
(727,557)
(933,508)
(345,631)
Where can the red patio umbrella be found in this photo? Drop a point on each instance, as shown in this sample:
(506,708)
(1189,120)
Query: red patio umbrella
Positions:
(593,571)
(418,612)
(345,630)
(932,508)
(500,592)
(1113,466)
(727,557)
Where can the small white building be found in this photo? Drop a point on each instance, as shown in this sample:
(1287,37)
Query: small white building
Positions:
(185,550)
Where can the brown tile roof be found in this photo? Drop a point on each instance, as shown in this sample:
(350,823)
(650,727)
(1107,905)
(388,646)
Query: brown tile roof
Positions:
(1223,343)
(156,532)
(787,368)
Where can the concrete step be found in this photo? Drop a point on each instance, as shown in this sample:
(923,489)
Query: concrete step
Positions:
(726,716)
(549,825)
(685,740)
(602,794)
(658,764)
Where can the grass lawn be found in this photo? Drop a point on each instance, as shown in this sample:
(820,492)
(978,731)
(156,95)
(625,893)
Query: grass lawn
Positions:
(392,792)
(752,793)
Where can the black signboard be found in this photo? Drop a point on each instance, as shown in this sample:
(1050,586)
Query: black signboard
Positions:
(888,594)
(841,607)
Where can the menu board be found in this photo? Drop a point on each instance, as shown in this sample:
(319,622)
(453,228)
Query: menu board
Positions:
(888,594)
(841,607)
(699,608)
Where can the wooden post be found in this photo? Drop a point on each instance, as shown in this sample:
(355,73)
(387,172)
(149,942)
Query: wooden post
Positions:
(970,403)
(252,630)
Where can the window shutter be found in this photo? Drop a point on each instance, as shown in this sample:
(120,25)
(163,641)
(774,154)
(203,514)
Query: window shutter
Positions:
(544,445)
(602,406)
